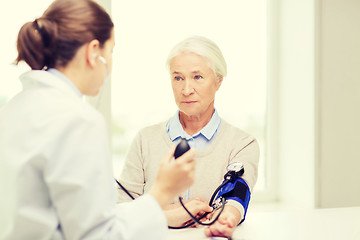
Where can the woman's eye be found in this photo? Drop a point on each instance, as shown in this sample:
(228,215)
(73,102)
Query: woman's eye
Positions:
(177,78)
(197,77)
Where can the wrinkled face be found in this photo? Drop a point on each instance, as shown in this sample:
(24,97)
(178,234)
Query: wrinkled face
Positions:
(194,84)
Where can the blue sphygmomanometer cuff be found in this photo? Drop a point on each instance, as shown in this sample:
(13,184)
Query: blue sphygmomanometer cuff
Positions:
(238,191)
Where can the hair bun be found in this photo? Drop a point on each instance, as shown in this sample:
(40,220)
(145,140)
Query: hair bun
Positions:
(54,38)
(47,30)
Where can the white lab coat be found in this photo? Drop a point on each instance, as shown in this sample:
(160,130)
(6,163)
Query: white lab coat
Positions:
(56,174)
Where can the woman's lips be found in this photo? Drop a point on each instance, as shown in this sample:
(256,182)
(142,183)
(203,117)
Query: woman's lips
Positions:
(189,102)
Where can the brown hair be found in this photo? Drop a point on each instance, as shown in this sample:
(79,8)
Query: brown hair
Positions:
(53,39)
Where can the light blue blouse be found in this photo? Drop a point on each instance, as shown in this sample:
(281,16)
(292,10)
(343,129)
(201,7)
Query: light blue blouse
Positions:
(200,140)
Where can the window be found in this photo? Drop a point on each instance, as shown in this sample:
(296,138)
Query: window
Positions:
(145,32)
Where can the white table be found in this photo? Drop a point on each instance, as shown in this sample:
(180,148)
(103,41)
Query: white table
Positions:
(327,224)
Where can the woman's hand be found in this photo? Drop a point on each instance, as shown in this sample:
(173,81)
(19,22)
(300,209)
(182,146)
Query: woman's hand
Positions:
(177,216)
(226,224)
(174,176)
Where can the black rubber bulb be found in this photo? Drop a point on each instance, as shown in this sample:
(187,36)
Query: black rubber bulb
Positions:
(181,148)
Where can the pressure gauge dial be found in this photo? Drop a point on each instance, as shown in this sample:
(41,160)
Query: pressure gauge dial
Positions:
(235,166)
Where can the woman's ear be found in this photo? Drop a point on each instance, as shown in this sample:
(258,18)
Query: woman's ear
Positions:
(219,80)
(92,52)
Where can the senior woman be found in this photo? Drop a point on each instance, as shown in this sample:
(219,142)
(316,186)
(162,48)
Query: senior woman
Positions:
(197,68)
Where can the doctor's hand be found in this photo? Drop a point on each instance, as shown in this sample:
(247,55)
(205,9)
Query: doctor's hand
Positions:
(174,176)
(177,216)
(226,224)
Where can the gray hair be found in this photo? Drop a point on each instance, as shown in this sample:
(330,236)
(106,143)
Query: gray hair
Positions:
(203,47)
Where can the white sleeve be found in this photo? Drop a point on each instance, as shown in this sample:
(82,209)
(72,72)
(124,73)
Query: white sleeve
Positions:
(142,218)
(81,185)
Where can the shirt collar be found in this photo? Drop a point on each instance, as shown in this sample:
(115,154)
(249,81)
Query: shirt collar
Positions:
(175,129)
(65,79)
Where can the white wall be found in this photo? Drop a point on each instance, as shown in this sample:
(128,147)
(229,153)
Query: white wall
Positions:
(338,104)
(296,102)
(318,74)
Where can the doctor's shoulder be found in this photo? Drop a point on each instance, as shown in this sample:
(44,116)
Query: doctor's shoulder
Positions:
(68,113)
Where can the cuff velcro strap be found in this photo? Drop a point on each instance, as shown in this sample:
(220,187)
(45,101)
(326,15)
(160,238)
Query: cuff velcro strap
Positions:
(238,191)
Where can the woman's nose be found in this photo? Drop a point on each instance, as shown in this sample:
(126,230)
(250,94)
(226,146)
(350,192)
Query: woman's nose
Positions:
(187,88)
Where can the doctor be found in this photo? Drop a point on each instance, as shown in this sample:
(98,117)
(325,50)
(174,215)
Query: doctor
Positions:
(55,158)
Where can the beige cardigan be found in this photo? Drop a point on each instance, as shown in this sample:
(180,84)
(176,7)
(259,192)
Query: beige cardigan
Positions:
(152,143)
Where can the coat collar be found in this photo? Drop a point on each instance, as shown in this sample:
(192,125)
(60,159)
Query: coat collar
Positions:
(36,78)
